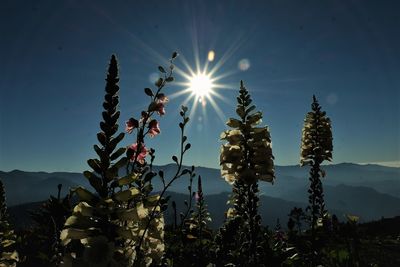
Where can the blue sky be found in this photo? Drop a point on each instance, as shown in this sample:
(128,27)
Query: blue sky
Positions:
(54,56)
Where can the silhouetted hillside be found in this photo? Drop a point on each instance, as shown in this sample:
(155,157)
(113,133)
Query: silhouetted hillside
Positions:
(342,188)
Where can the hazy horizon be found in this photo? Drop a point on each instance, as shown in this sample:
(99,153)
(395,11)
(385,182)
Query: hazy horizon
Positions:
(383,164)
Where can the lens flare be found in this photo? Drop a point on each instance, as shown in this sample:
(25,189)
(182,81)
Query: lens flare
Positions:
(244,64)
(211,56)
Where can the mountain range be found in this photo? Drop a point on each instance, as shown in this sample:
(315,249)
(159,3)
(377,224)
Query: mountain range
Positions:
(368,191)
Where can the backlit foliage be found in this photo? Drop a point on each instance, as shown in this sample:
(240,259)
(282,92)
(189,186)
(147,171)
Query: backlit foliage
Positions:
(245,159)
(316,147)
(247,155)
(109,227)
(316,141)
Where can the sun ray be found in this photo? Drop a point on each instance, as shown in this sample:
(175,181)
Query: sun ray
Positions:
(179,93)
(195,45)
(224,86)
(224,75)
(194,106)
(218,110)
(222,98)
(188,68)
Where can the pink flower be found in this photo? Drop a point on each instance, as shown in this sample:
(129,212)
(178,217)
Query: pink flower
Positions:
(160,108)
(145,116)
(197,196)
(154,128)
(161,98)
(130,125)
(141,156)
(160,103)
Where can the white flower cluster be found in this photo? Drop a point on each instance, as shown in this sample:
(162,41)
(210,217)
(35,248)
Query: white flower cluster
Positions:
(247,155)
(316,141)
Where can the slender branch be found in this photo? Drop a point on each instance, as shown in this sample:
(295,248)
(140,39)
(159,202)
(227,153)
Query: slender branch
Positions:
(176,176)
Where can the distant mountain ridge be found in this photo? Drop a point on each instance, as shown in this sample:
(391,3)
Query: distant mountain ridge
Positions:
(370,191)
(271,209)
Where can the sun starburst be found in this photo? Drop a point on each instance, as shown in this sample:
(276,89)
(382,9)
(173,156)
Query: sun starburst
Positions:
(202,85)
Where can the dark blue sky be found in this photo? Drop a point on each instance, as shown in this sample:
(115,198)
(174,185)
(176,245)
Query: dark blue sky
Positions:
(54,56)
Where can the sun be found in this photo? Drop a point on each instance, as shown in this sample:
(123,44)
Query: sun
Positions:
(201,84)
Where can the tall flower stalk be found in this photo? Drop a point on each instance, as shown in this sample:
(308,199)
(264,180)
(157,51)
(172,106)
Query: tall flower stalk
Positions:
(246,158)
(122,223)
(316,147)
(149,245)
(97,231)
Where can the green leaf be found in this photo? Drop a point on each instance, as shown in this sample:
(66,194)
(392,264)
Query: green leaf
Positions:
(254,118)
(159,82)
(149,176)
(114,142)
(95,165)
(120,163)
(100,152)
(126,195)
(93,180)
(118,153)
(185,171)
(234,123)
(128,179)
(153,199)
(189,236)
(79,222)
(147,189)
(102,138)
(67,234)
(148,92)
(250,109)
(161,69)
(187,146)
(240,111)
(83,209)
(106,128)
(128,214)
(152,107)
(111,174)
(84,194)
(7,242)
(9,256)
(142,211)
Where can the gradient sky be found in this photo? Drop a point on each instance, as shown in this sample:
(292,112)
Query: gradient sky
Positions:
(54,56)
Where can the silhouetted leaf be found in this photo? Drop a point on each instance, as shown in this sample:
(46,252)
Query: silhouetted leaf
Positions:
(118,153)
(95,165)
(161,69)
(148,92)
